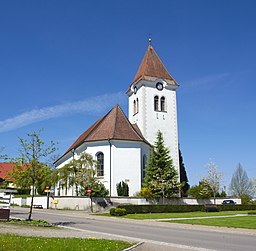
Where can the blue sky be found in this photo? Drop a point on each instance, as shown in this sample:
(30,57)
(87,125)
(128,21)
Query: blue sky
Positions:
(64,64)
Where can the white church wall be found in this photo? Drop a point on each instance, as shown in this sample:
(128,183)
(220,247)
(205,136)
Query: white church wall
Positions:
(126,165)
(93,149)
(126,162)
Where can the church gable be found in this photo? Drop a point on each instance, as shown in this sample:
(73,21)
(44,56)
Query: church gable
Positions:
(114,125)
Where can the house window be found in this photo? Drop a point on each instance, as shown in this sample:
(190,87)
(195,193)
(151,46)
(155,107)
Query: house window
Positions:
(156,103)
(163,104)
(100,166)
(137,101)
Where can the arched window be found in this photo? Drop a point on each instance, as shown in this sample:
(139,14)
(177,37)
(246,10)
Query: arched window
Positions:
(137,100)
(156,103)
(100,166)
(163,104)
(134,107)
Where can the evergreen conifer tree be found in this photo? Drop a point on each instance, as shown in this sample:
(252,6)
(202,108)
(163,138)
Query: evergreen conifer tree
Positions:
(183,176)
(161,176)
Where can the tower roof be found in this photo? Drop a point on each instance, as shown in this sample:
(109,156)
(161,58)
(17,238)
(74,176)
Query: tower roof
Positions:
(152,67)
(113,125)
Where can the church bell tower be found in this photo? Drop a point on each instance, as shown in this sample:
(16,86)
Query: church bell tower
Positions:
(152,102)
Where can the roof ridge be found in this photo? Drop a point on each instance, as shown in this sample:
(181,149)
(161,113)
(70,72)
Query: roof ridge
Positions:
(92,127)
(114,127)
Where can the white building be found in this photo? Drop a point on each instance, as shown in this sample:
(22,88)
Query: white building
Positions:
(122,145)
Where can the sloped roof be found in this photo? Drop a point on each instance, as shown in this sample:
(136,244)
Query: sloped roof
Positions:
(113,125)
(152,66)
(6,168)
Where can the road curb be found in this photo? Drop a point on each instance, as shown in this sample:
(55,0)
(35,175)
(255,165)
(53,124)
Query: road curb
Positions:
(134,246)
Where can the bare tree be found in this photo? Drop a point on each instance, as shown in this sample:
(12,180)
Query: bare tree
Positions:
(241,186)
(213,179)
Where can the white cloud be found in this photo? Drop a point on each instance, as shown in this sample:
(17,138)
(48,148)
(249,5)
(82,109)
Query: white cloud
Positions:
(212,79)
(95,104)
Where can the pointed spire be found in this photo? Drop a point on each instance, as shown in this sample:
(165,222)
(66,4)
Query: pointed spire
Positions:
(152,67)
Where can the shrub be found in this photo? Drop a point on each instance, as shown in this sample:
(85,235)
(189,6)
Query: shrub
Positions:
(118,211)
(146,193)
(122,189)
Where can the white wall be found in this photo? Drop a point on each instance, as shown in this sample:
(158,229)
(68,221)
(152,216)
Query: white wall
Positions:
(125,160)
(126,166)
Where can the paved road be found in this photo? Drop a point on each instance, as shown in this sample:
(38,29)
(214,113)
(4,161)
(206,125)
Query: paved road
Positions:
(171,235)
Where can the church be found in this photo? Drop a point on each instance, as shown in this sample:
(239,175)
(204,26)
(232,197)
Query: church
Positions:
(121,145)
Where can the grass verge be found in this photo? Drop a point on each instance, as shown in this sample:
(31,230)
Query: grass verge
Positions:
(22,243)
(248,222)
(177,215)
(37,223)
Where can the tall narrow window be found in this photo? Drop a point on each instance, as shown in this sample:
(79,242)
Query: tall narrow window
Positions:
(100,167)
(137,101)
(143,174)
(134,107)
(163,104)
(156,103)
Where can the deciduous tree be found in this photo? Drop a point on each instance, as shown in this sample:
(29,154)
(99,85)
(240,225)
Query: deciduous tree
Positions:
(241,186)
(213,179)
(30,169)
(201,191)
(81,173)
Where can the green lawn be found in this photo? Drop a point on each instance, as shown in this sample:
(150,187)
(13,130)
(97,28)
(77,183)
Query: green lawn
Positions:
(248,222)
(20,243)
(179,215)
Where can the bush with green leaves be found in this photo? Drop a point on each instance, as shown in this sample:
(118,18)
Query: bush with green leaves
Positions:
(118,211)
(146,193)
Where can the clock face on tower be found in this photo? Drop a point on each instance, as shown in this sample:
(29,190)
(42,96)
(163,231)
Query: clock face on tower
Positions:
(159,86)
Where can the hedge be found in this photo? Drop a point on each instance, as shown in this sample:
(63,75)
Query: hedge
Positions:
(236,207)
(140,209)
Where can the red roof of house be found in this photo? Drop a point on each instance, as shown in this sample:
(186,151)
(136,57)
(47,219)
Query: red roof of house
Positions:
(113,125)
(5,169)
(152,67)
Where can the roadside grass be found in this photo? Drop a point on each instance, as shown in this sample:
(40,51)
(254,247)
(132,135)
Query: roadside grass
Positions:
(22,243)
(177,215)
(37,223)
(248,222)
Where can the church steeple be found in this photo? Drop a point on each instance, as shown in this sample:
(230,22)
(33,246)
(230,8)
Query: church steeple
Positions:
(152,68)
(152,102)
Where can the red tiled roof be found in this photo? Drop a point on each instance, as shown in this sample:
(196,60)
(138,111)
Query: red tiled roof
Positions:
(152,66)
(5,169)
(114,125)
